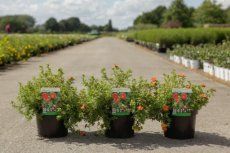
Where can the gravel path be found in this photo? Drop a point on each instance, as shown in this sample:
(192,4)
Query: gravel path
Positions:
(20,136)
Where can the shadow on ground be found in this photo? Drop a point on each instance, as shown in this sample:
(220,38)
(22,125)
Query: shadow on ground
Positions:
(145,141)
(14,66)
(23,63)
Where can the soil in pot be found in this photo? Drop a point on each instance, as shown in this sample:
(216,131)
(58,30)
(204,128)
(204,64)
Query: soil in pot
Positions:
(181,127)
(50,127)
(121,127)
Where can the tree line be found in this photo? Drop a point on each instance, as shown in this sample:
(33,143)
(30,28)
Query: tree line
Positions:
(178,14)
(26,24)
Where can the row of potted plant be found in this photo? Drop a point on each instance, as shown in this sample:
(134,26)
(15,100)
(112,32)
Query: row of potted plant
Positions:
(14,48)
(161,48)
(214,59)
(169,37)
(118,103)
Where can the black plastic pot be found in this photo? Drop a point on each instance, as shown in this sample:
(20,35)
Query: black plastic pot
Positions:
(181,127)
(162,50)
(121,127)
(50,127)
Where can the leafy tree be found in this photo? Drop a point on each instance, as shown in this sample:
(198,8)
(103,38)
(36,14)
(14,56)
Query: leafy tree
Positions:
(70,24)
(62,25)
(84,28)
(227,14)
(51,25)
(98,28)
(109,26)
(153,17)
(40,28)
(179,13)
(18,23)
(73,24)
(209,12)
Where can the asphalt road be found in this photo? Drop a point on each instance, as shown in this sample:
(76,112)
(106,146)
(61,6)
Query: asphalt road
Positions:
(20,136)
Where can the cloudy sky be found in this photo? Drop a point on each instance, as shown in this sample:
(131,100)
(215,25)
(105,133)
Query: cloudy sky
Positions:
(98,12)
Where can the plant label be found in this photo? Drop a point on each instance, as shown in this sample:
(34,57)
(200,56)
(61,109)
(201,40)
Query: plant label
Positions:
(181,98)
(50,100)
(121,101)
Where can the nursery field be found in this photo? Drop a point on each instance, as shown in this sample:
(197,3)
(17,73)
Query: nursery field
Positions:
(17,135)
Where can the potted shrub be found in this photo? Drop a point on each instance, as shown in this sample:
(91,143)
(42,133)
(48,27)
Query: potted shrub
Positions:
(117,102)
(52,99)
(180,101)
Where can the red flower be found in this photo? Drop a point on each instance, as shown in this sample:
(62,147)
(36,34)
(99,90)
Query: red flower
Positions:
(116,97)
(53,95)
(117,100)
(183,96)
(175,96)
(46,97)
(123,96)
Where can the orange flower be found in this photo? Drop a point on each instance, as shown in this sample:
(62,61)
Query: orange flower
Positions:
(165,108)
(203,95)
(203,85)
(140,108)
(188,86)
(182,75)
(153,79)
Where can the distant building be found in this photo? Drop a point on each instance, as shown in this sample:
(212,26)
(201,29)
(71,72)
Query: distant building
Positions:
(94,32)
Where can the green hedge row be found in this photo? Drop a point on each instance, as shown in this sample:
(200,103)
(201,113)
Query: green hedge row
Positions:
(169,37)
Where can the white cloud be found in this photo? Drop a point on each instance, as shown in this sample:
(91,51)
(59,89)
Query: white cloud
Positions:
(122,12)
(225,3)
